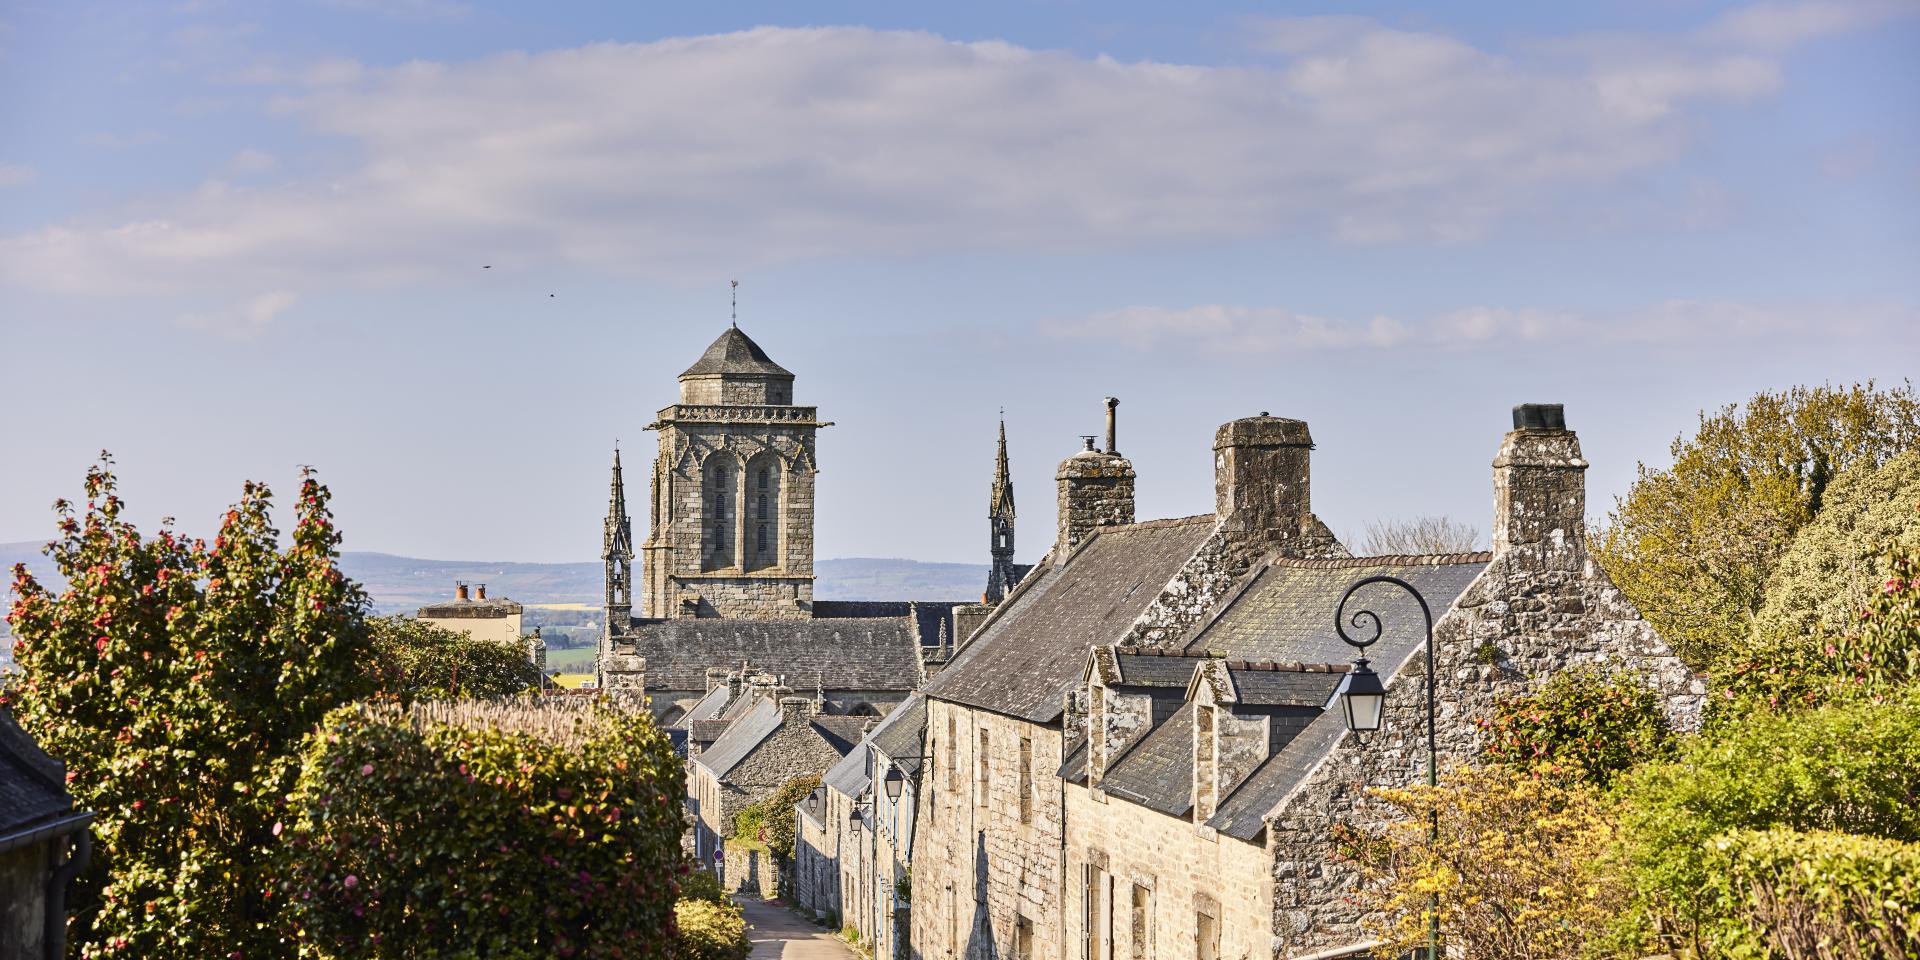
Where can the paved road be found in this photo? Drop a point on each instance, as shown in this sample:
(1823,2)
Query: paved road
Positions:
(779,935)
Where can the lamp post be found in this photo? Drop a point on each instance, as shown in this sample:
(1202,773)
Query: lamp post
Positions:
(1363,699)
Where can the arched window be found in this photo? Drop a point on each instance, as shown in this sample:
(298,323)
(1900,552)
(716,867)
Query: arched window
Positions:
(720,553)
(760,538)
(763,478)
(763,507)
(763,551)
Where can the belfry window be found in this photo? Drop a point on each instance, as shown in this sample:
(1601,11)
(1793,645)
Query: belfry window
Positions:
(760,537)
(763,510)
(763,478)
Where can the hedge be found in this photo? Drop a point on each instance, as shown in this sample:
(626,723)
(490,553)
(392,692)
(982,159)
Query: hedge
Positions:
(501,830)
(1823,894)
(711,931)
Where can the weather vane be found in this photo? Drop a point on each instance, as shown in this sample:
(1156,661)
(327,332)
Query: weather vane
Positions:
(736,303)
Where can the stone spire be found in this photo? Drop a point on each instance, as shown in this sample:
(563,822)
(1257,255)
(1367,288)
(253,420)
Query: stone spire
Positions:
(617,551)
(1001,577)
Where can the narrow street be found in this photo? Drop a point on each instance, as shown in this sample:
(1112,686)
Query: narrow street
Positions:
(779,935)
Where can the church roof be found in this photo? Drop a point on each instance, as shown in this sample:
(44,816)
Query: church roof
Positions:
(1035,646)
(841,653)
(735,353)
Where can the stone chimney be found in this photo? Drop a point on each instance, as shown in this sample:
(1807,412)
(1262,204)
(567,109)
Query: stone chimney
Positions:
(715,677)
(1540,489)
(1096,490)
(1261,474)
(460,590)
(796,708)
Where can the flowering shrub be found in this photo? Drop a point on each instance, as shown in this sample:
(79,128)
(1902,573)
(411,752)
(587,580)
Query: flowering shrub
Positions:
(1523,867)
(176,679)
(499,830)
(771,821)
(1583,724)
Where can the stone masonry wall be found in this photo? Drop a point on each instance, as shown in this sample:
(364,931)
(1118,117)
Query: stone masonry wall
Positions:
(1094,490)
(1185,869)
(1543,605)
(977,868)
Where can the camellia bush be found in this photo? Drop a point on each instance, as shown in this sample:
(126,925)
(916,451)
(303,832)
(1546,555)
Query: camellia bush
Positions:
(423,661)
(176,678)
(771,821)
(1582,724)
(484,829)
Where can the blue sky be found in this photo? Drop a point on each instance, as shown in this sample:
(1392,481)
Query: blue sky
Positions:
(237,237)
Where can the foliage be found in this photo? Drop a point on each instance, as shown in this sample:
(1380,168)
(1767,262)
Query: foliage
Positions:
(1522,868)
(771,821)
(1583,724)
(1822,894)
(1828,574)
(176,679)
(1852,767)
(1417,536)
(484,830)
(423,661)
(1874,657)
(698,884)
(710,930)
(1693,545)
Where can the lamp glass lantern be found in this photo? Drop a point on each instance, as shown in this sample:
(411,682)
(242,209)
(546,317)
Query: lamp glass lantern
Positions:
(895,780)
(1362,698)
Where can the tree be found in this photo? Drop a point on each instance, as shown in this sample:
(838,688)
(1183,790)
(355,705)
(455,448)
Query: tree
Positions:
(422,661)
(772,819)
(1693,545)
(1582,725)
(1834,566)
(484,829)
(176,680)
(1417,536)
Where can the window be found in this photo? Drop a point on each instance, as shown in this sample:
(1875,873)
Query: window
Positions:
(1206,936)
(763,478)
(1096,913)
(983,781)
(953,753)
(1140,931)
(719,537)
(761,507)
(760,537)
(1022,938)
(1026,780)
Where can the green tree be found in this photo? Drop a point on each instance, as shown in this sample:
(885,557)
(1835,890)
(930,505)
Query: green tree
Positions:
(1835,565)
(1693,545)
(484,829)
(1584,724)
(773,818)
(422,661)
(176,679)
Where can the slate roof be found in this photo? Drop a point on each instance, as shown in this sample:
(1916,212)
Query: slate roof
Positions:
(841,732)
(1242,815)
(32,784)
(1157,771)
(843,653)
(849,776)
(1285,611)
(1035,644)
(707,707)
(1155,671)
(735,353)
(742,737)
(901,735)
(929,615)
(1284,688)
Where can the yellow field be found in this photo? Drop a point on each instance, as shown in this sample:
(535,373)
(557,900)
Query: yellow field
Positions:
(572,681)
(560,606)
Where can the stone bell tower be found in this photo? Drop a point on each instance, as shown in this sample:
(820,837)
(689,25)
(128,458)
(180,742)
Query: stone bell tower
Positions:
(732,507)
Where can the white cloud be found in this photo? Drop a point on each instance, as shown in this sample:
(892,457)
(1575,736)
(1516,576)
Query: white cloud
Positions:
(252,161)
(1227,330)
(775,145)
(16,175)
(1780,25)
(244,320)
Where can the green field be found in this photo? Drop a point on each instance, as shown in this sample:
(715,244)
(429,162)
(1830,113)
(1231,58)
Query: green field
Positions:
(571,659)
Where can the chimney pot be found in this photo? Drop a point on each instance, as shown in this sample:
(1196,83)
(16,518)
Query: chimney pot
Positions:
(459,590)
(480,591)
(1540,416)
(1113,445)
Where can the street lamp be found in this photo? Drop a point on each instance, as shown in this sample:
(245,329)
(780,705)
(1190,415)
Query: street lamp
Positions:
(895,780)
(1363,697)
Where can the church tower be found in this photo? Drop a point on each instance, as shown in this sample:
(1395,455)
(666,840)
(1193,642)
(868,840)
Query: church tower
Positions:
(617,550)
(732,507)
(1002,576)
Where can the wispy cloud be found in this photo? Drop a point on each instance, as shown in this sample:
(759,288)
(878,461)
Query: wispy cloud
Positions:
(775,145)
(1222,329)
(244,320)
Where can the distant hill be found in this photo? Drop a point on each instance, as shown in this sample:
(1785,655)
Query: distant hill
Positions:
(399,584)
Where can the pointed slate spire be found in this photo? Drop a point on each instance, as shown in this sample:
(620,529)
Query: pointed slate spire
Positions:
(1002,576)
(1000,503)
(617,551)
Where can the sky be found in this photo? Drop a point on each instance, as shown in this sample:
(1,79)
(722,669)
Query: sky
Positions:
(450,253)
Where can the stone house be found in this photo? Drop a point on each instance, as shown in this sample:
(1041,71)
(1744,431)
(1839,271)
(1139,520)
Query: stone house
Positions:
(477,615)
(44,843)
(1170,793)
(772,739)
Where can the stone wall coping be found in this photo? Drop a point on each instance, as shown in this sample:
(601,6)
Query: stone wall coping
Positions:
(1289,666)
(1396,560)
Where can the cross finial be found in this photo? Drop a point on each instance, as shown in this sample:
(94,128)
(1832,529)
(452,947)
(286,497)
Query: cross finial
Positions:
(736,303)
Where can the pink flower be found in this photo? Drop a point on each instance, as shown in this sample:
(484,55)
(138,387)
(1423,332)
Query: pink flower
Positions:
(366,769)
(352,881)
